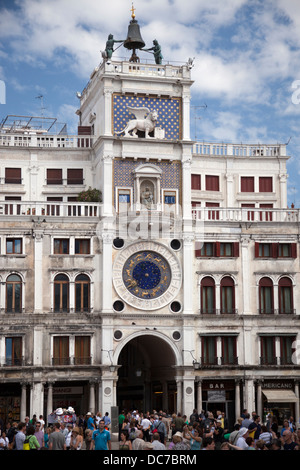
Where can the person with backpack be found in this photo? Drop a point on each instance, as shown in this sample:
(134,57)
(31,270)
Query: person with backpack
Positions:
(31,442)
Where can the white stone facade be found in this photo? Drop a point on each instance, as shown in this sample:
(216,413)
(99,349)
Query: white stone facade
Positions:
(222,330)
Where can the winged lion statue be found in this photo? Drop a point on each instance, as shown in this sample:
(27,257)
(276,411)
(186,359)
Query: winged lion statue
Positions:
(141,123)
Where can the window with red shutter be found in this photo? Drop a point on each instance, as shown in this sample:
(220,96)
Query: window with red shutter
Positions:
(247,184)
(212,183)
(265,184)
(196,182)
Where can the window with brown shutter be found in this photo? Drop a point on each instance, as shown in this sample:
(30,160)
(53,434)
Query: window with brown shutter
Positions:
(75,176)
(212,183)
(54,176)
(265,184)
(196,182)
(13,176)
(247,184)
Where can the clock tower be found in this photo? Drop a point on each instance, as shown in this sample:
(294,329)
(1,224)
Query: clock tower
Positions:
(139,113)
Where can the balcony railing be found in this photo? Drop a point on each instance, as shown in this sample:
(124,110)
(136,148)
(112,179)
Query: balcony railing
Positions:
(46,141)
(57,209)
(239,214)
(69,361)
(241,150)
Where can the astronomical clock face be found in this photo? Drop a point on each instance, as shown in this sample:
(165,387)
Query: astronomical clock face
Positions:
(147,275)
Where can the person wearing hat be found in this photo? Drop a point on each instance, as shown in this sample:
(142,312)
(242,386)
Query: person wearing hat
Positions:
(179,444)
(90,421)
(241,441)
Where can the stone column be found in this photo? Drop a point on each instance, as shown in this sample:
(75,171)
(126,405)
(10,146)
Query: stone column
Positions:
(247,293)
(49,399)
(179,395)
(237,399)
(297,415)
(37,399)
(259,399)
(92,397)
(38,270)
(199,395)
(107,272)
(23,402)
(188,257)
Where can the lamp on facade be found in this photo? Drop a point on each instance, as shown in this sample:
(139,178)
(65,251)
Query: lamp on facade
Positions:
(112,368)
(196,364)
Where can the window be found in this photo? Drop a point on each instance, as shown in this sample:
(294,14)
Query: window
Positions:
(13,294)
(266,300)
(61,350)
(226,249)
(265,184)
(247,184)
(82,350)
(61,293)
(13,246)
(10,208)
(61,246)
(196,182)
(227,295)
(75,176)
(13,176)
(286,349)
(250,214)
(82,293)
(212,183)
(54,176)
(13,351)
(267,350)
(285,293)
(82,246)
(264,250)
(287,250)
(275,250)
(229,350)
(53,209)
(124,200)
(207,250)
(218,249)
(213,214)
(209,350)
(266,216)
(208,295)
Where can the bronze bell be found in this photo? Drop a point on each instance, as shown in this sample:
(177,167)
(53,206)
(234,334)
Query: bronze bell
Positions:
(134,39)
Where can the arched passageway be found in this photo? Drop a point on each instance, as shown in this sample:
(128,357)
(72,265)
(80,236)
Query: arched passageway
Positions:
(146,376)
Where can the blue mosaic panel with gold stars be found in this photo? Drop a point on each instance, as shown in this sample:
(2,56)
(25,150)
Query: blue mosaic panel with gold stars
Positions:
(146,275)
(169,112)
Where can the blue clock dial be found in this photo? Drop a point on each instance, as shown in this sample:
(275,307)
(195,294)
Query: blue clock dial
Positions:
(146,275)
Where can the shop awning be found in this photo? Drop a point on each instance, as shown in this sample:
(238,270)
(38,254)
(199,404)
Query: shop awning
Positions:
(280,396)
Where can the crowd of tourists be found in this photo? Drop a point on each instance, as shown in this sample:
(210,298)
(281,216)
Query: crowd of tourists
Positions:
(205,431)
(155,431)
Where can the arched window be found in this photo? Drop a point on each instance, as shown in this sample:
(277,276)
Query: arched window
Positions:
(227,295)
(208,304)
(82,293)
(266,298)
(61,293)
(13,294)
(285,293)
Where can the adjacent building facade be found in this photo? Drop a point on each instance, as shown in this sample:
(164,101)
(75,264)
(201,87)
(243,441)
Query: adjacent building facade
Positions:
(177,291)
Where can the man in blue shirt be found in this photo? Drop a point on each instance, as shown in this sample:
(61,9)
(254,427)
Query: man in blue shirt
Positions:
(101,437)
(90,421)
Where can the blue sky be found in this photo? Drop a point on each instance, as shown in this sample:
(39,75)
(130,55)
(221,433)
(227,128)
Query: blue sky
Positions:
(247,61)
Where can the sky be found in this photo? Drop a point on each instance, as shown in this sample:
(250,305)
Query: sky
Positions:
(246,62)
